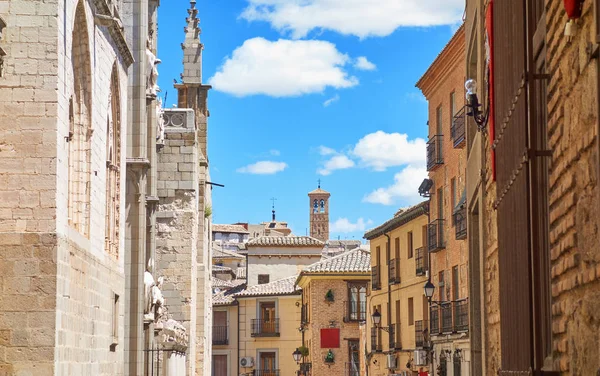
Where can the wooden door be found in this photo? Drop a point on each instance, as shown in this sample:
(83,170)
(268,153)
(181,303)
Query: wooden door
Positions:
(267,364)
(219,365)
(267,315)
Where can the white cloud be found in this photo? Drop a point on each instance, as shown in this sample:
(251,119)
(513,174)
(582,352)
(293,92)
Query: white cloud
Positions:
(381,150)
(353,17)
(363,64)
(263,168)
(283,68)
(275,152)
(406,183)
(337,162)
(324,150)
(335,98)
(344,225)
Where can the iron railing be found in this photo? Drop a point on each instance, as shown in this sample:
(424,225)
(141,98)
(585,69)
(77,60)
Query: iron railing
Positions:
(219,335)
(265,328)
(446,309)
(436,238)
(375,278)
(375,340)
(352,369)
(435,156)
(460,223)
(420,327)
(392,336)
(434,316)
(355,311)
(457,130)
(461,315)
(266,372)
(305,367)
(421,261)
(394,271)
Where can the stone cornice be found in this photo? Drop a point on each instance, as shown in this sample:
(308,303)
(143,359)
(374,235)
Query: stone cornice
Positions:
(110,18)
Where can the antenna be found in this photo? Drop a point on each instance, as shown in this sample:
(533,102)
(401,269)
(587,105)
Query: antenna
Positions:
(273,211)
(319,181)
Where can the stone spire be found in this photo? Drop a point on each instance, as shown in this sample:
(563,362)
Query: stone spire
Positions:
(192,48)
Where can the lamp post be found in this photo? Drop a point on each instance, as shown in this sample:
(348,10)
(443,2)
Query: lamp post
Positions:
(474,105)
(297,355)
(376,319)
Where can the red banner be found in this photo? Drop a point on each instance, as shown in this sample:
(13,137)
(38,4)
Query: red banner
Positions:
(330,338)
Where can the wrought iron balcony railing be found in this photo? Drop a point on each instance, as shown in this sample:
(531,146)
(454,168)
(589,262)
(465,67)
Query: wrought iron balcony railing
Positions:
(421,261)
(375,278)
(305,367)
(461,315)
(457,130)
(219,335)
(265,328)
(460,223)
(436,239)
(394,271)
(392,336)
(420,327)
(266,372)
(352,369)
(376,340)
(355,311)
(435,156)
(434,316)
(446,309)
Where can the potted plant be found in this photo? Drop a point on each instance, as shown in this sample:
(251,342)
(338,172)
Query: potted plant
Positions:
(329,296)
(303,350)
(329,358)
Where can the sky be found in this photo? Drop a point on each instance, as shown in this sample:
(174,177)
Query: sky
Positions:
(304,90)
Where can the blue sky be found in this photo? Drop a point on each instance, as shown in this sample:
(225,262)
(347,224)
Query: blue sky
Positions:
(308,90)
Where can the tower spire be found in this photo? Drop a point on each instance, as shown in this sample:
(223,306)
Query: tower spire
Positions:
(192,47)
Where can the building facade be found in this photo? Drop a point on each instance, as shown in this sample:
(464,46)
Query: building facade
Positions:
(334,293)
(443,87)
(319,214)
(399,270)
(538,151)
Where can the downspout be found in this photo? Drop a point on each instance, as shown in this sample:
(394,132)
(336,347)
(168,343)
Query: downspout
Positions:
(389,302)
(238,334)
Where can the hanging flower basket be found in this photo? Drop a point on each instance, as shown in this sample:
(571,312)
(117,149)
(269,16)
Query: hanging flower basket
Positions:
(329,358)
(329,296)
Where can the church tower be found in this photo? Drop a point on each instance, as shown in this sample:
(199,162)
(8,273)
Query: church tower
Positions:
(319,213)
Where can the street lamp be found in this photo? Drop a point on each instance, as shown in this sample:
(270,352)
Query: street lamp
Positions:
(473,104)
(376,317)
(297,355)
(429,289)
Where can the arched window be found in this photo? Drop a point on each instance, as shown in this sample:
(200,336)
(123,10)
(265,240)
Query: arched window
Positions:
(80,129)
(315,206)
(322,206)
(113,163)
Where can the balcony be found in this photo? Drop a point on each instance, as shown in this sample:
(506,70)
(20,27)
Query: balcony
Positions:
(265,328)
(420,327)
(263,372)
(355,311)
(394,271)
(446,309)
(219,335)
(435,156)
(460,223)
(394,337)
(375,278)
(352,369)
(435,237)
(305,367)
(434,315)
(461,316)
(457,130)
(376,340)
(421,261)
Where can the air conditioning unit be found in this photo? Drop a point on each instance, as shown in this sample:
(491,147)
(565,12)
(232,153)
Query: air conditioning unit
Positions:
(247,362)
(420,358)
(391,361)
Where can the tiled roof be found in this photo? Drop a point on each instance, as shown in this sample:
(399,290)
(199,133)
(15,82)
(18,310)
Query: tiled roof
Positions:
(221,283)
(238,229)
(355,261)
(222,299)
(222,269)
(318,190)
(399,220)
(288,241)
(223,253)
(285,286)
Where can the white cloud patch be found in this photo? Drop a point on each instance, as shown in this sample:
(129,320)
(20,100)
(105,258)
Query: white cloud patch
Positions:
(363,64)
(344,225)
(324,150)
(337,162)
(263,168)
(381,150)
(328,102)
(283,68)
(406,183)
(352,17)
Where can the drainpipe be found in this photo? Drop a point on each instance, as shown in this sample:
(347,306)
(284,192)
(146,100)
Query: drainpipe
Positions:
(389,305)
(238,334)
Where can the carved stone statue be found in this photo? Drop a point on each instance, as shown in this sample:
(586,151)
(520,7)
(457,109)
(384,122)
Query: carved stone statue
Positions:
(160,123)
(149,283)
(158,299)
(151,72)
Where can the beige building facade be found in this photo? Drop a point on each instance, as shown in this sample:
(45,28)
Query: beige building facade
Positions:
(399,269)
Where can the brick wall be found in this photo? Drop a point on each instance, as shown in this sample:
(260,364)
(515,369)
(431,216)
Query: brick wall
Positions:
(573,189)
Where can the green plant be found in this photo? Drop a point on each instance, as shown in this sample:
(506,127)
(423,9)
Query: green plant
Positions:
(329,358)
(303,350)
(329,296)
(207,211)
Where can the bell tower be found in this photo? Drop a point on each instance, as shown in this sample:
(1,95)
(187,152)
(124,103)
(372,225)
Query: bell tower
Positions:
(319,213)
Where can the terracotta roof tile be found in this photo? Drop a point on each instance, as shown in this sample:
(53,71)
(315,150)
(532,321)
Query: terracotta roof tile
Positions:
(355,261)
(285,286)
(238,229)
(223,253)
(221,283)
(285,241)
